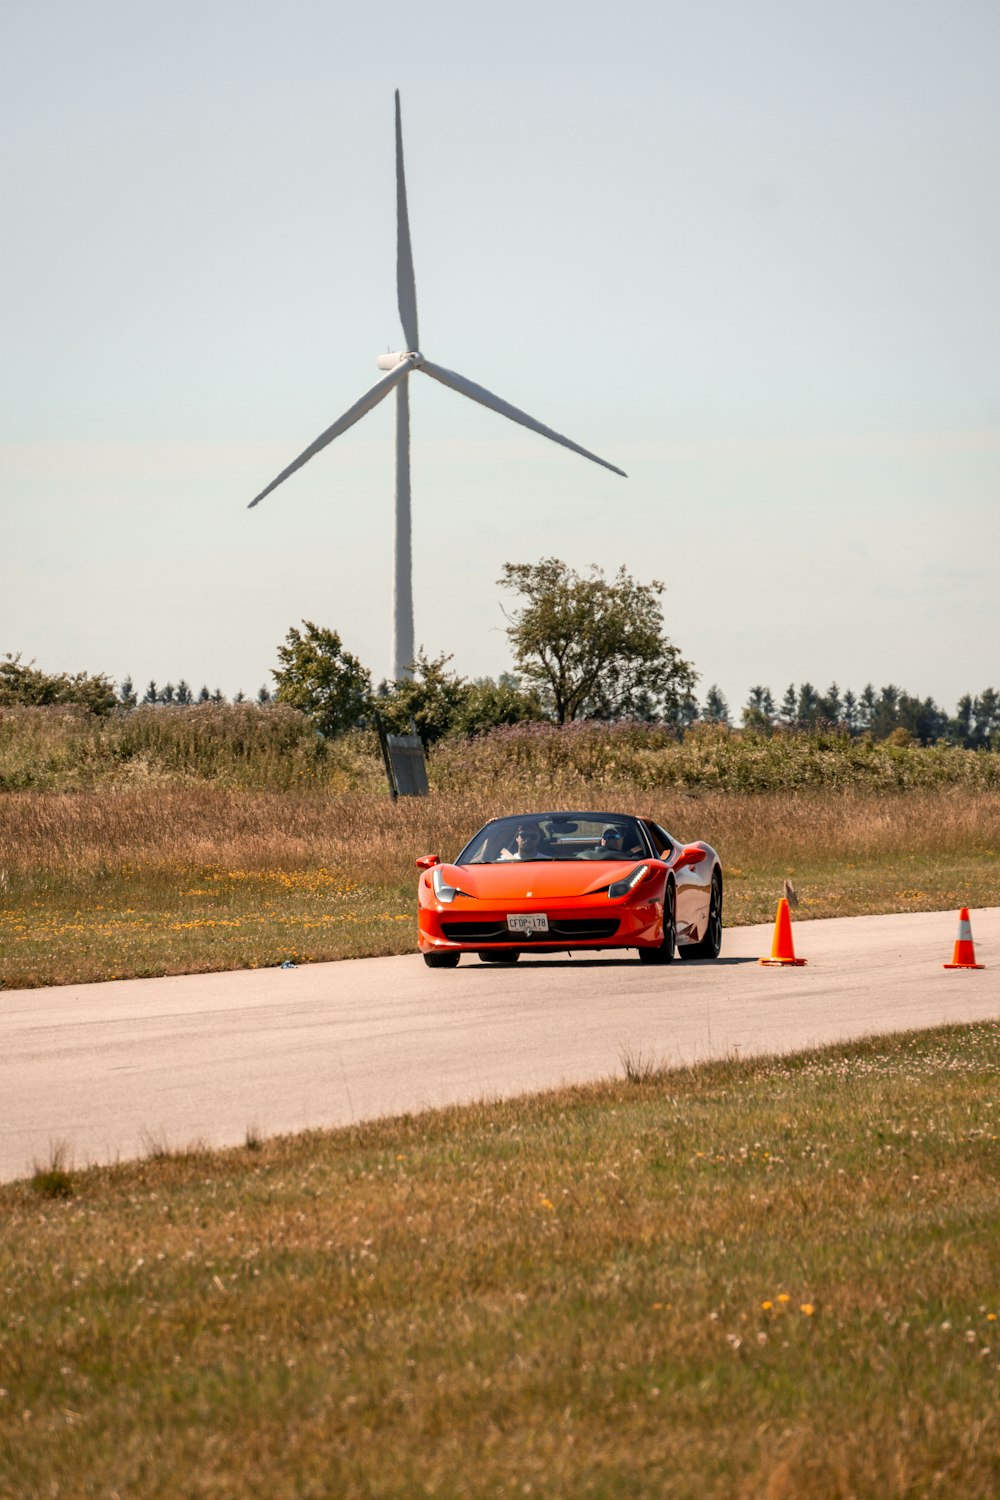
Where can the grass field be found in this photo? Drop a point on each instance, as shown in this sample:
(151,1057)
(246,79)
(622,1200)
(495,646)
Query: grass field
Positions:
(100,885)
(772,1278)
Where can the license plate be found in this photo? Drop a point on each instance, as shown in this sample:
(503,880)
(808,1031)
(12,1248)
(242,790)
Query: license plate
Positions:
(528,921)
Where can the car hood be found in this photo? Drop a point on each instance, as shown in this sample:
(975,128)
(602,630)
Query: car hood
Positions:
(517,881)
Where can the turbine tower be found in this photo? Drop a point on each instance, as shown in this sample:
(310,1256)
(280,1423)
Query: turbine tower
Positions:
(398,368)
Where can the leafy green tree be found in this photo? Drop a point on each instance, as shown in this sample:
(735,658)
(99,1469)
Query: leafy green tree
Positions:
(184,694)
(126,694)
(319,677)
(867,709)
(432,700)
(152,693)
(490,702)
(716,710)
(167,693)
(25,684)
(263,696)
(593,646)
(204,696)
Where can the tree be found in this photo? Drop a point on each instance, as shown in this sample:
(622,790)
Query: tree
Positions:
(923,721)
(24,683)
(831,707)
(126,694)
(867,706)
(263,696)
(716,710)
(152,693)
(319,677)
(491,702)
(204,696)
(432,699)
(807,710)
(758,711)
(592,645)
(885,717)
(184,694)
(790,707)
(850,712)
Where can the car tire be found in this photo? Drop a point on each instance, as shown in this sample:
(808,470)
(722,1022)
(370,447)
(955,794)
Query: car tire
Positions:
(711,944)
(504,956)
(664,954)
(443,960)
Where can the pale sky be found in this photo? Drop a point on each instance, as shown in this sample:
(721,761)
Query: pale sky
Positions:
(748,252)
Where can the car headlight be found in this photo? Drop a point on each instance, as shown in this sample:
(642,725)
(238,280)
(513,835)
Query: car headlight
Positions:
(444,892)
(628,882)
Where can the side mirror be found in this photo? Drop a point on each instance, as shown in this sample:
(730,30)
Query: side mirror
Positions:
(428,861)
(689,856)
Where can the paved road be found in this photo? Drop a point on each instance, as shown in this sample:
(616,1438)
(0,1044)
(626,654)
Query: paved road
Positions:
(109,1069)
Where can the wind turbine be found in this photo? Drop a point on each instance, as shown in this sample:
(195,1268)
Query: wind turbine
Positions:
(398,368)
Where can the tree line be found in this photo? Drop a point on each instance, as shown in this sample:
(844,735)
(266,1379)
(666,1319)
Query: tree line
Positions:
(585,646)
(889,713)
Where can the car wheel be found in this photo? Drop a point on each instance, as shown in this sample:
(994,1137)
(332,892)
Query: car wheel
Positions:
(504,956)
(443,960)
(665,952)
(711,944)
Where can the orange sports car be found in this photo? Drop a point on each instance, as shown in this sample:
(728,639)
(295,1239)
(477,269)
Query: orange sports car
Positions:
(550,882)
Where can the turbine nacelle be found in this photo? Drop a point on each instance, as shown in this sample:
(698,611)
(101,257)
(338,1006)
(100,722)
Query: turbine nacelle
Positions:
(390,361)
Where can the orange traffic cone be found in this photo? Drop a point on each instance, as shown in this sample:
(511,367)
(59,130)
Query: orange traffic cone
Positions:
(782,948)
(964,956)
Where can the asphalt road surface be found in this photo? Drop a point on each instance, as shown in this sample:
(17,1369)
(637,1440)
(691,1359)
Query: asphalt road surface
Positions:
(110,1071)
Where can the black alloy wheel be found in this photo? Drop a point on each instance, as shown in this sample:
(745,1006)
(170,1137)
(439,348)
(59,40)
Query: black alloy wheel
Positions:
(665,953)
(443,960)
(711,944)
(500,956)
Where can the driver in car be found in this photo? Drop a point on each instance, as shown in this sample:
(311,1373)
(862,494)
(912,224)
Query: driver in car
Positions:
(527,844)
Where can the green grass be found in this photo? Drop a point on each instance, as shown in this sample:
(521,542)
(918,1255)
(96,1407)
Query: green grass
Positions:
(774,1278)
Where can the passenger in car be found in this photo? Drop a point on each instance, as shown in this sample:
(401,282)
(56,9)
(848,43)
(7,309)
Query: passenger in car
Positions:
(610,847)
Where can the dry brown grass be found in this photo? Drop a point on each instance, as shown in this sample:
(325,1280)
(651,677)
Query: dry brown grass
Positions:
(106,884)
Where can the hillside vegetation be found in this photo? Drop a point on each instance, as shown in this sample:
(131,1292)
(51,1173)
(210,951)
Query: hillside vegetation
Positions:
(276,748)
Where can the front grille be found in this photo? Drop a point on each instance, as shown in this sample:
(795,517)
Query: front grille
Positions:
(565,930)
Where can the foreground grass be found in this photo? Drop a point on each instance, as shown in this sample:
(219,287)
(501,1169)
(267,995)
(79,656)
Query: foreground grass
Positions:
(114,884)
(774,1278)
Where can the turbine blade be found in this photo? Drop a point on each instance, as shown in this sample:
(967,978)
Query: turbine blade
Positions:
(371,398)
(486,398)
(406,284)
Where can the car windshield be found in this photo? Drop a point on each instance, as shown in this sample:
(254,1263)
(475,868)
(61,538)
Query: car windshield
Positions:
(549,836)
